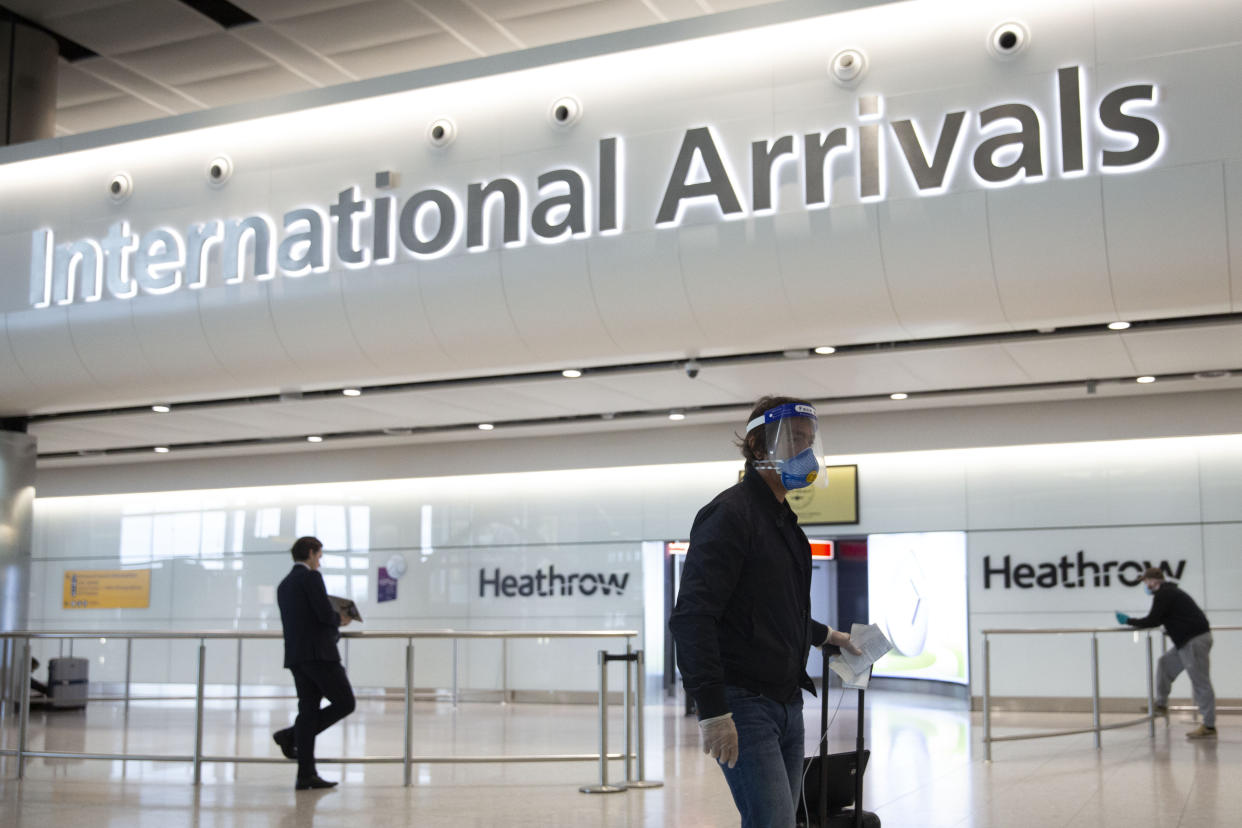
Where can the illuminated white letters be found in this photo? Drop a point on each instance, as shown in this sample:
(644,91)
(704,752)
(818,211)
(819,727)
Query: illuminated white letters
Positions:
(1004,142)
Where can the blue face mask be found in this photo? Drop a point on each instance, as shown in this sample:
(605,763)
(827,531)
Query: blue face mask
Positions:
(1148,590)
(799,471)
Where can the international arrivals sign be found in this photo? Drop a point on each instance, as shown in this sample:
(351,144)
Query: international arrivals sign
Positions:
(1015,142)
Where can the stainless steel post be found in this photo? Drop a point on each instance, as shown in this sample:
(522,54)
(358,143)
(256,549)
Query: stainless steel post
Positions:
(409,708)
(640,693)
(24,715)
(1095,688)
(237,704)
(627,719)
(504,671)
(1151,693)
(454,672)
(198,713)
(603,786)
(987,699)
(129,662)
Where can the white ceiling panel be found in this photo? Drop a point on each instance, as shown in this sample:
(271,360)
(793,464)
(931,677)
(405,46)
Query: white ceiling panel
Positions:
(1185,351)
(584,20)
(317,69)
(130,25)
(257,84)
(403,55)
(964,366)
(75,87)
(282,9)
(1057,359)
(216,55)
(348,29)
(170,100)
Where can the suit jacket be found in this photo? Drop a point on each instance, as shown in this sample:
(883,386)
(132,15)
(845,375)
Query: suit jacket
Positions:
(311,623)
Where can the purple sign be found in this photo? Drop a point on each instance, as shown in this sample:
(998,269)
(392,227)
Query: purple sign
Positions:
(387,586)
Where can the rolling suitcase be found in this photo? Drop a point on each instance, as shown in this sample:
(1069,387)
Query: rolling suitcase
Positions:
(832,782)
(67,681)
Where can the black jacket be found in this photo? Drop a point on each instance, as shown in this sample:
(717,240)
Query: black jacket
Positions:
(743,614)
(311,623)
(1177,611)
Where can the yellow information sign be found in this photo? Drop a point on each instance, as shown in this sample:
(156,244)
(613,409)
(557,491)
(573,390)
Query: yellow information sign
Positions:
(107,589)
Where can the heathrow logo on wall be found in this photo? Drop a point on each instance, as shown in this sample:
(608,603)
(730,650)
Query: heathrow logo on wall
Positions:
(1012,146)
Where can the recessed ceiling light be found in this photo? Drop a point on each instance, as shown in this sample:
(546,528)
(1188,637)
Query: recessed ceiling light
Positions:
(1145,380)
(160,409)
(898,396)
(571,373)
(314,438)
(1118,326)
(486,426)
(1209,375)
(676,415)
(825,350)
(161,449)
(352,392)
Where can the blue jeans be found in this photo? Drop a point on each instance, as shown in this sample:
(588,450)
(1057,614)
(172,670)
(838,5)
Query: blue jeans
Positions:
(767,779)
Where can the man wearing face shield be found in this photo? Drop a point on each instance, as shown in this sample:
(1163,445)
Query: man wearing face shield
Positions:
(742,622)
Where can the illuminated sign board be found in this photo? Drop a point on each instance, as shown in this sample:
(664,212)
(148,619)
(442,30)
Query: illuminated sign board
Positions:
(358,231)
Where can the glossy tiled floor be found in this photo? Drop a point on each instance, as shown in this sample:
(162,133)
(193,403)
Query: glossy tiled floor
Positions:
(927,770)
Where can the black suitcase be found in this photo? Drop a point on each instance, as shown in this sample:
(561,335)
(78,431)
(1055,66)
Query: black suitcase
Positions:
(830,783)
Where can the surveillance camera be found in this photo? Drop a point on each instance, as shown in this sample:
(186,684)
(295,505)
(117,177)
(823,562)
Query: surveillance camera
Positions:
(565,111)
(441,132)
(1008,39)
(692,368)
(848,66)
(219,169)
(120,187)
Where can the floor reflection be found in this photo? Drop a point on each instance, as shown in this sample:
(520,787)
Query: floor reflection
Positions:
(927,769)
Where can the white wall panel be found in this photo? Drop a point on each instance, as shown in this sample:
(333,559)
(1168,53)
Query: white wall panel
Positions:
(1068,486)
(937,265)
(388,320)
(1220,481)
(45,352)
(1221,542)
(910,493)
(828,261)
(1233,206)
(1057,359)
(1047,243)
(481,329)
(548,291)
(1155,28)
(1150,252)
(639,293)
(733,281)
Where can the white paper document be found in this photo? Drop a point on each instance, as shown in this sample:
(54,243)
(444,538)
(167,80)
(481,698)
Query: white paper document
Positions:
(855,670)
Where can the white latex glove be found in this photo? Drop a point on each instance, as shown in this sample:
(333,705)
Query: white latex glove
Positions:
(720,738)
(840,638)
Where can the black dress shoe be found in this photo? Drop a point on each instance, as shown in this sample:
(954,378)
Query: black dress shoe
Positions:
(310,782)
(284,738)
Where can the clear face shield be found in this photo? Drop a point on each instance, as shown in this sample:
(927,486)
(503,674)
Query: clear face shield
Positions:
(792,445)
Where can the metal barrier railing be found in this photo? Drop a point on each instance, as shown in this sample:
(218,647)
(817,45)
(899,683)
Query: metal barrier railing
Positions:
(1096,727)
(407,758)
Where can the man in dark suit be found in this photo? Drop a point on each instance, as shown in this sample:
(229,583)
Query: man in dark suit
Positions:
(312,628)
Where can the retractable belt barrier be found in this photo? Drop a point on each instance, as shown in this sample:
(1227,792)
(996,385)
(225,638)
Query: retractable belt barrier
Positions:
(636,676)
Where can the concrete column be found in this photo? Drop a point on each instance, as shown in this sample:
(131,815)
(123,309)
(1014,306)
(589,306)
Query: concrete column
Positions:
(17,491)
(28,65)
